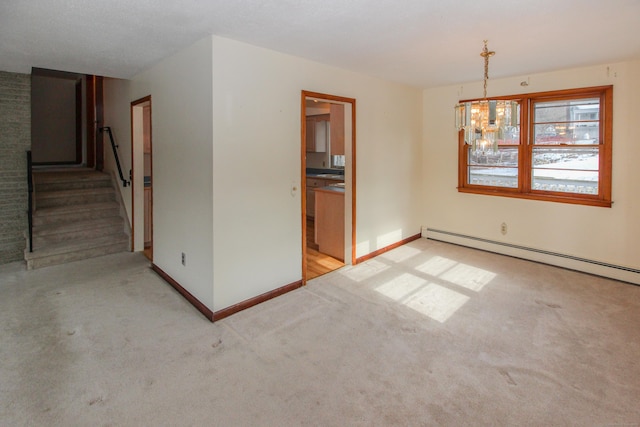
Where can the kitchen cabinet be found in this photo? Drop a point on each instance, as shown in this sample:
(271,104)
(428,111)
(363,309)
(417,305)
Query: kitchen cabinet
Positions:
(146,129)
(336,114)
(317,133)
(329,221)
(310,135)
(312,184)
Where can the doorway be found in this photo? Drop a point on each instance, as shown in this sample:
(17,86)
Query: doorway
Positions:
(59,107)
(142,177)
(328,183)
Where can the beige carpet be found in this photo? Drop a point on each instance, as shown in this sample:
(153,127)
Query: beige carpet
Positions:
(428,334)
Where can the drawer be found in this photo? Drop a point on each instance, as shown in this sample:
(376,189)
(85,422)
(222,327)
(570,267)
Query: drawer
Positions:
(316,182)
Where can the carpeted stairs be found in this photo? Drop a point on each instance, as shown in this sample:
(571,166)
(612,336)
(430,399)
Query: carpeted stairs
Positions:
(76,216)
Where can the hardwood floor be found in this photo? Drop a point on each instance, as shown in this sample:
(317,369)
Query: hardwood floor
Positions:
(310,234)
(317,262)
(148,252)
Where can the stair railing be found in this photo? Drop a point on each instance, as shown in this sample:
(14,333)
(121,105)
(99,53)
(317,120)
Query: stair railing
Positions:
(115,155)
(30,202)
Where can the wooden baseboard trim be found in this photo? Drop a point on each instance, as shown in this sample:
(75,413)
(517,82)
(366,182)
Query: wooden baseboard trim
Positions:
(388,248)
(185,293)
(225,312)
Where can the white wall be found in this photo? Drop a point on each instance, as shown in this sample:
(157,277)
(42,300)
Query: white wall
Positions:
(609,235)
(116,115)
(226,153)
(256,126)
(180,87)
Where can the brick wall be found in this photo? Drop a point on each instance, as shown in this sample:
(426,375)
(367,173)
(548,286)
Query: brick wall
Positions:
(15,140)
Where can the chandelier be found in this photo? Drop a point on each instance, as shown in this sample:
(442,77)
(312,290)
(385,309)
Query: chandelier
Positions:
(487,122)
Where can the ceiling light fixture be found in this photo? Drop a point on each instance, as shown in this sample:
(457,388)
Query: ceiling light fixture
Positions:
(487,121)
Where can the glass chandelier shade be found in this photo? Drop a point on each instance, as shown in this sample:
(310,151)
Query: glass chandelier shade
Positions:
(486,122)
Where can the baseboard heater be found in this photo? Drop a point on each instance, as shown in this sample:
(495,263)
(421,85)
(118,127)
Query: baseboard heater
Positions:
(599,268)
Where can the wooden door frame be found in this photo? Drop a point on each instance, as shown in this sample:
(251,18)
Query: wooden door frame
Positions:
(303,172)
(134,104)
(92,122)
(99,123)
(79,123)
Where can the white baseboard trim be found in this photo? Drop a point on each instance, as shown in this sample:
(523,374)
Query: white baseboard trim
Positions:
(598,268)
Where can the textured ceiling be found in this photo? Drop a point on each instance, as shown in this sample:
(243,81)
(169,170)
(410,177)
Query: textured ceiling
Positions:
(419,42)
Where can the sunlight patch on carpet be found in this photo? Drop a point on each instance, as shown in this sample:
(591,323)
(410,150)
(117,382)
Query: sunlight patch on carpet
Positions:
(432,300)
(469,277)
(436,265)
(437,302)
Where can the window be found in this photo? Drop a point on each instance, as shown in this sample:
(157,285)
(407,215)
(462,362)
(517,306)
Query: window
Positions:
(337,161)
(558,149)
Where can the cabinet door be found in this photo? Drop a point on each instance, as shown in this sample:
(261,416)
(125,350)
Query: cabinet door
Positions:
(310,134)
(322,135)
(311,195)
(311,203)
(146,129)
(337,129)
(329,223)
(317,133)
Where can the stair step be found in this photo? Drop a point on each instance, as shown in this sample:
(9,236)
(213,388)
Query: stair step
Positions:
(48,234)
(77,217)
(62,180)
(65,227)
(74,197)
(70,185)
(64,174)
(74,213)
(64,252)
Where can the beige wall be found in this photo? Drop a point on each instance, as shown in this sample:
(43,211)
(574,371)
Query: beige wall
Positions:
(609,235)
(180,87)
(226,144)
(256,116)
(116,115)
(226,153)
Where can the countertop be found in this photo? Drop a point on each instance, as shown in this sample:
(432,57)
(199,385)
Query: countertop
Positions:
(335,188)
(330,176)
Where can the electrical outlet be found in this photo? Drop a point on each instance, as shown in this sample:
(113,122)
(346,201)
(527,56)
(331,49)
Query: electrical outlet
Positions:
(184,259)
(503,228)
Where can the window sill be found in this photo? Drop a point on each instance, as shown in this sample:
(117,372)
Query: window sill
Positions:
(539,196)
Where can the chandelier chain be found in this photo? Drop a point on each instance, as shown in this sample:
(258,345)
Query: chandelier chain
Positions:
(487,124)
(486,53)
(486,73)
